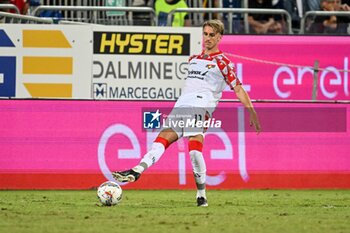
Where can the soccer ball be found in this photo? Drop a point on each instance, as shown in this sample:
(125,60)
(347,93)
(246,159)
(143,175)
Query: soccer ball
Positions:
(109,193)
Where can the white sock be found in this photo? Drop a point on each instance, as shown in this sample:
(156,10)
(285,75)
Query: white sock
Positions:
(199,171)
(152,156)
(201,193)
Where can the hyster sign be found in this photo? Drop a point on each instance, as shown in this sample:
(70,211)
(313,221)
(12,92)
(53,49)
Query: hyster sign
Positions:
(136,64)
(141,43)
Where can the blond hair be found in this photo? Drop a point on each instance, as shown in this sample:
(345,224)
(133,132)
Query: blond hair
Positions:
(216,24)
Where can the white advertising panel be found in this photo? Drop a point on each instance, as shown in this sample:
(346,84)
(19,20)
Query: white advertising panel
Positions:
(142,63)
(45,61)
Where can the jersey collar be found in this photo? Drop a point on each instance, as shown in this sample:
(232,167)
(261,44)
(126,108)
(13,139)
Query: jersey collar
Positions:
(212,54)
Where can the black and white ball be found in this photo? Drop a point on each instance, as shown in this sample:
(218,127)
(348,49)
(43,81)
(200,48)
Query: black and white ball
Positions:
(109,193)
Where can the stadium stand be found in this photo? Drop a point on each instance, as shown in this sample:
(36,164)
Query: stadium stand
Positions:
(141,12)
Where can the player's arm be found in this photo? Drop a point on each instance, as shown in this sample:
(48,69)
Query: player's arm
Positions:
(227,70)
(243,96)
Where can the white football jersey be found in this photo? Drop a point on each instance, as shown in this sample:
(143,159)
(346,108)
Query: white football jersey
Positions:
(207,77)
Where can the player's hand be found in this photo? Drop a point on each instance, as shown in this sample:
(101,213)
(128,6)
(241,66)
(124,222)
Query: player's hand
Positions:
(345,7)
(254,121)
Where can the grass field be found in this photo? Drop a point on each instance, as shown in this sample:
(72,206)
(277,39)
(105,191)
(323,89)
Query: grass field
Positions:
(252,211)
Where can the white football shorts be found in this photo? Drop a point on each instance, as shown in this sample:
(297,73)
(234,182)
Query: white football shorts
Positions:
(187,121)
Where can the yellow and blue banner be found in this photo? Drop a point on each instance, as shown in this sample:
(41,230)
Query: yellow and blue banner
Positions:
(45,61)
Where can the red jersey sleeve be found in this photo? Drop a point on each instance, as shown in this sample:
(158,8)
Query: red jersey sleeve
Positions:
(191,57)
(228,71)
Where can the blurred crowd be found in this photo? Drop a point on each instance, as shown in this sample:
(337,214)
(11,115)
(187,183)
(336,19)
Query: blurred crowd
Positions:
(257,23)
(22,5)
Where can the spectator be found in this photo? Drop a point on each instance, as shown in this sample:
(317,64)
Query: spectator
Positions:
(164,7)
(142,18)
(237,26)
(33,4)
(22,5)
(346,2)
(296,11)
(331,24)
(4,2)
(312,5)
(277,4)
(265,23)
(212,4)
(341,5)
(3,19)
(343,21)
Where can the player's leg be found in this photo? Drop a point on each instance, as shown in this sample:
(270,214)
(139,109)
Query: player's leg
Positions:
(195,146)
(164,139)
(160,144)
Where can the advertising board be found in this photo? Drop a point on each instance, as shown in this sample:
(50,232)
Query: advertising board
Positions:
(45,61)
(77,144)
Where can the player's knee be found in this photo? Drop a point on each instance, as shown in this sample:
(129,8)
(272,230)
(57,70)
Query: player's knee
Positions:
(194,145)
(169,135)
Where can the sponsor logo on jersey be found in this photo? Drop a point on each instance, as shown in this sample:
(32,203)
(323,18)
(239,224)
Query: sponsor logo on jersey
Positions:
(209,66)
(196,74)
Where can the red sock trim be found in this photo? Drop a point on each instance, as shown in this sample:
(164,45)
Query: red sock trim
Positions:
(164,141)
(195,145)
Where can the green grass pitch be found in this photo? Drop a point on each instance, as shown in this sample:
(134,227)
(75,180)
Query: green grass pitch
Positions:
(253,211)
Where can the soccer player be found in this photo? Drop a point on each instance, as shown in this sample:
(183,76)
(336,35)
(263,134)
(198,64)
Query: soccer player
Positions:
(208,75)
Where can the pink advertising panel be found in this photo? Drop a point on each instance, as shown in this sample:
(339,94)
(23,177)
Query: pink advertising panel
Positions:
(58,144)
(278,67)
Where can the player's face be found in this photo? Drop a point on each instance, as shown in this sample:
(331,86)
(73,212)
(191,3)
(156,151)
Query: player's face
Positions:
(211,39)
